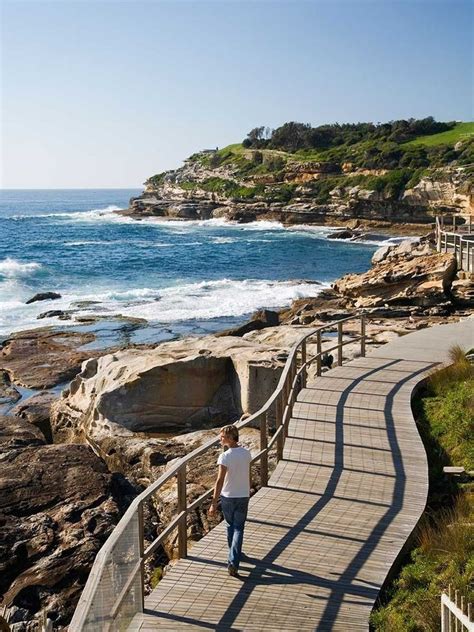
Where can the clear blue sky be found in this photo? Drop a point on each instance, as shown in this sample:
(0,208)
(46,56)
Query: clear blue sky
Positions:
(105,94)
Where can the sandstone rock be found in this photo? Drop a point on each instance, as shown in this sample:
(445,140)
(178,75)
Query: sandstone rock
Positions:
(8,393)
(43,296)
(165,196)
(408,248)
(327,305)
(463,292)
(380,254)
(446,193)
(43,358)
(36,410)
(261,319)
(54,312)
(178,387)
(58,504)
(353,224)
(341,234)
(423,280)
(17,433)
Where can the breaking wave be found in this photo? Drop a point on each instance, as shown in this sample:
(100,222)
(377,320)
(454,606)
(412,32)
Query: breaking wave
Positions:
(11,268)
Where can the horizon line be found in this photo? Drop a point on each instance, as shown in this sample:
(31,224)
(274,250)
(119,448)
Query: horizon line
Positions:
(70,188)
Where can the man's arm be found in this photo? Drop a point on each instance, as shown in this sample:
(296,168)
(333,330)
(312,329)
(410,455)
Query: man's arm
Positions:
(217,488)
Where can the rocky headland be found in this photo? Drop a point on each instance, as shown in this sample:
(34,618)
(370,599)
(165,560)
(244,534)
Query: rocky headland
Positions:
(369,210)
(382,178)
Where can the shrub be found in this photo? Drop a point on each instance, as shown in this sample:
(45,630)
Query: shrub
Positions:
(157,180)
(273,163)
(282,193)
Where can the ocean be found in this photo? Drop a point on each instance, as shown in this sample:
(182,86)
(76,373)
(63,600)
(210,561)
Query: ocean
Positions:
(179,276)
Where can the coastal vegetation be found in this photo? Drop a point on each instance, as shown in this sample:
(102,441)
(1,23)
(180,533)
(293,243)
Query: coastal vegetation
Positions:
(444,542)
(412,143)
(298,163)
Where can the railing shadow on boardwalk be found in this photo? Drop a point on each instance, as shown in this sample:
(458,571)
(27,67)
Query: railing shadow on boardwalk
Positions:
(267,572)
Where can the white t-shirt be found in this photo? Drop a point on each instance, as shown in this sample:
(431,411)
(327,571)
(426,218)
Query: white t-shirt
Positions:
(237,478)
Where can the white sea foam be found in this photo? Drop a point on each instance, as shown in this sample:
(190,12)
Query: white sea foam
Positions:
(259,241)
(223,240)
(107,213)
(201,301)
(97,242)
(12,268)
(124,295)
(214,299)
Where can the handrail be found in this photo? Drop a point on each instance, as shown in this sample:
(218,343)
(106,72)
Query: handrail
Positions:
(131,556)
(455,609)
(460,239)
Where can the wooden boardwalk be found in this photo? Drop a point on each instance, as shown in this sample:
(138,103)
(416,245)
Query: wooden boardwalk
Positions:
(322,537)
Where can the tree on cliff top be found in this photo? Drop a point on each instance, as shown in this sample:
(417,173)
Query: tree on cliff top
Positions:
(293,136)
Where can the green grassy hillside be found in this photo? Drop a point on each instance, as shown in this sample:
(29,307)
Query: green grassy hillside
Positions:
(461,132)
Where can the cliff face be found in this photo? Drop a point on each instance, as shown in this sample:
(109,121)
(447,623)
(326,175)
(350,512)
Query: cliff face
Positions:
(301,192)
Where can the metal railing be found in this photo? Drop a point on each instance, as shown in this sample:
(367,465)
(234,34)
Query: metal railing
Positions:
(115,588)
(457,238)
(456,616)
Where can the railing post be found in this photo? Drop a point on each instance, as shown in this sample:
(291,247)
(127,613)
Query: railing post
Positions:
(445,242)
(264,446)
(182,506)
(303,362)
(454,223)
(141,548)
(318,352)
(280,439)
(444,616)
(461,260)
(286,390)
(438,235)
(289,397)
(339,344)
(362,335)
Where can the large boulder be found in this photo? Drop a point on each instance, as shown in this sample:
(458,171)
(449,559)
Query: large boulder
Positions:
(341,234)
(178,387)
(58,504)
(43,296)
(15,433)
(36,410)
(261,319)
(403,280)
(8,393)
(407,249)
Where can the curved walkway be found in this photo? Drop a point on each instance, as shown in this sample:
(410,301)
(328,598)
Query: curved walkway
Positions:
(322,537)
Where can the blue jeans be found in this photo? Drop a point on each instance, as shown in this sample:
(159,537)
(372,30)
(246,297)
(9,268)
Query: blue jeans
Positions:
(235,514)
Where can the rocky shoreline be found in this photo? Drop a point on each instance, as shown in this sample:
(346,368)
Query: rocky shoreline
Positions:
(216,185)
(73,460)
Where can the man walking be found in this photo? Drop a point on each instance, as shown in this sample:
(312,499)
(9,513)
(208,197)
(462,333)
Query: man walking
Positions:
(233,487)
